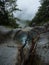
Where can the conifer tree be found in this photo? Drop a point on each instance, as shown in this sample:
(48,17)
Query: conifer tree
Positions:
(42,15)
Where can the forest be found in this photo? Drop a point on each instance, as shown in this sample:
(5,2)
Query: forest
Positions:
(6,13)
(42,16)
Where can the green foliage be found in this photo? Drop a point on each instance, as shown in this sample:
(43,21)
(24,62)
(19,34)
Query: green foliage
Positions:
(6,13)
(42,15)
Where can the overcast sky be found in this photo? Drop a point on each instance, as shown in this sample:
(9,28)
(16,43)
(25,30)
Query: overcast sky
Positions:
(28,7)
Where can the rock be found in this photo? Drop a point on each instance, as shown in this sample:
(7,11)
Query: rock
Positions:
(33,25)
(5,33)
(26,29)
(46,25)
(8,55)
(4,30)
(40,29)
(42,48)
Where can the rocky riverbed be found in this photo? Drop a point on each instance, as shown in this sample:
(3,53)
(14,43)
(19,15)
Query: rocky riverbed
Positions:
(42,48)
(12,39)
(9,53)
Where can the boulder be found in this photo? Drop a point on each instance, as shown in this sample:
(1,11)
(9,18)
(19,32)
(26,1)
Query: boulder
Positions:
(42,48)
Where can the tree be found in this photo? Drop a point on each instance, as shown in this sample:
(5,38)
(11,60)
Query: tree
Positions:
(7,7)
(42,15)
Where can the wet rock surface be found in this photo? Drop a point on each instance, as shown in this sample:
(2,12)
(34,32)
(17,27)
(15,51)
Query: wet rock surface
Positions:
(9,45)
(9,52)
(42,48)
(8,56)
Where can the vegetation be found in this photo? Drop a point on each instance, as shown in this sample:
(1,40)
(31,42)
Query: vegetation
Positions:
(42,15)
(7,9)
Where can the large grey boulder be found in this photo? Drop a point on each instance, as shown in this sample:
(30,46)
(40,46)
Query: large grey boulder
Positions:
(42,48)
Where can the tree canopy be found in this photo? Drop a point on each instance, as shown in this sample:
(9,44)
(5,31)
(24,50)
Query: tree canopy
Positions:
(7,7)
(42,15)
